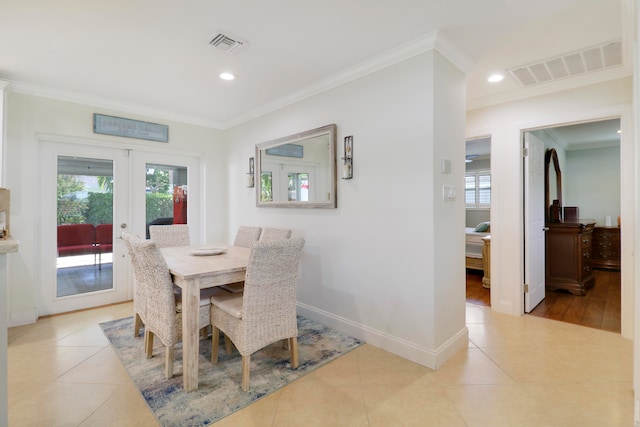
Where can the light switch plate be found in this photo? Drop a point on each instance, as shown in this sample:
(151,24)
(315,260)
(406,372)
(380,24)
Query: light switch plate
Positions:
(445,166)
(448,192)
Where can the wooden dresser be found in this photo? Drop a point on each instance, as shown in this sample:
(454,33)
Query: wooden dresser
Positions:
(568,256)
(606,248)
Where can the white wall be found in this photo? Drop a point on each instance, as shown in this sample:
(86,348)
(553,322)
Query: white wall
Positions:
(591,180)
(505,122)
(387,265)
(29,115)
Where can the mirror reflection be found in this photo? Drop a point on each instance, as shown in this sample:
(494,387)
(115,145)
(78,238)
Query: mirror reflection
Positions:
(298,170)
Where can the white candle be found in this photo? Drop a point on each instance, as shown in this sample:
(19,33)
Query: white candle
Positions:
(346,170)
(249,180)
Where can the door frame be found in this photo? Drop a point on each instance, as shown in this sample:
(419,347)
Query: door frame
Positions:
(46,256)
(627,196)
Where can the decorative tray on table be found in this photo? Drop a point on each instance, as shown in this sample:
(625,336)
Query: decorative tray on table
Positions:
(205,251)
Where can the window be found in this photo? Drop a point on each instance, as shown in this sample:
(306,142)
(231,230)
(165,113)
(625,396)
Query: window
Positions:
(477,189)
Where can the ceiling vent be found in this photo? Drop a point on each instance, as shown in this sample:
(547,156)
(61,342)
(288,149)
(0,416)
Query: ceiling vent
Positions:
(571,64)
(226,42)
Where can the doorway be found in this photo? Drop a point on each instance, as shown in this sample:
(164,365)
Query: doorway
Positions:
(88,188)
(477,219)
(589,156)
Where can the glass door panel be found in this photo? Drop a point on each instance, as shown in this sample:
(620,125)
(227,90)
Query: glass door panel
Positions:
(166,195)
(170,183)
(84,225)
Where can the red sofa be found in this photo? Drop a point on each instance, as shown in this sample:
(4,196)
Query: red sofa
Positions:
(76,239)
(85,239)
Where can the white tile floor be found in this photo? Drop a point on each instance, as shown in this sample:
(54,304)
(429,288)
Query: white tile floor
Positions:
(516,371)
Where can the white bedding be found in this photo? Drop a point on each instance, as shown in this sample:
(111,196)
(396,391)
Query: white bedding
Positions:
(474,242)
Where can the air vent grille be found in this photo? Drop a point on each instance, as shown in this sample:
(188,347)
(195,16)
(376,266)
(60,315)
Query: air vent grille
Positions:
(568,65)
(226,42)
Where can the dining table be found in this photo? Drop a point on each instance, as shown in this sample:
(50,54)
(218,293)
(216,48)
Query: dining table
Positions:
(194,268)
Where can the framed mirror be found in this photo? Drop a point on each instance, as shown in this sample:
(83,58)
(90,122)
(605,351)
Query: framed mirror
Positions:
(298,171)
(552,187)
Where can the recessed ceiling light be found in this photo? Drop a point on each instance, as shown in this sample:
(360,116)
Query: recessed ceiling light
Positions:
(227,76)
(619,130)
(495,78)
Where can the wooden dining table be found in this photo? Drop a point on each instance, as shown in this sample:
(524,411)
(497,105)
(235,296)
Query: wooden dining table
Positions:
(192,273)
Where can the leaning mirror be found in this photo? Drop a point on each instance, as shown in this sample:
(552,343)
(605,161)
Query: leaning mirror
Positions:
(298,171)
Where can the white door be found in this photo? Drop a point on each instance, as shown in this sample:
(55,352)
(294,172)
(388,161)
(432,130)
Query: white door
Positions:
(103,279)
(87,186)
(534,240)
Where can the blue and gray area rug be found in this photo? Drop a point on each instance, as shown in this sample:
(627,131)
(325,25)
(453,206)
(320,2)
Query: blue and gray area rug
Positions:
(219,393)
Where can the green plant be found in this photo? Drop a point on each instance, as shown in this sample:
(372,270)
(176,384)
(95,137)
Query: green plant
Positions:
(71,211)
(159,205)
(100,208)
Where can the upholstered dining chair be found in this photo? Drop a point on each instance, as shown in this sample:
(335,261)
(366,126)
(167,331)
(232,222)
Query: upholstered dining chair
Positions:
(245,236)
(266,311)
(275,234)
(139,290)
(163,317)
(170,235)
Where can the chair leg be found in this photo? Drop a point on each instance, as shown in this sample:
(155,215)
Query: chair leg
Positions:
(137,324)
(228,345)
(246,363)
(168,362)
(293,345)
(148,347)
(215,341)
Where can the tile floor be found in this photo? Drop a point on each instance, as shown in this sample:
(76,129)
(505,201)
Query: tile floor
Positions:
(79,274)
(516,371)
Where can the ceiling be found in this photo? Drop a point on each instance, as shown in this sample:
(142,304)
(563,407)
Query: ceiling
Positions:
(153,58)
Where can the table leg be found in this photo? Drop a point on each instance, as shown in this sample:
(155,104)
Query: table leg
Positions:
(190,341)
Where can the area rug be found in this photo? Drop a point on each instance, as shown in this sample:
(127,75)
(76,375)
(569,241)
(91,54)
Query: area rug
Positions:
(219,393)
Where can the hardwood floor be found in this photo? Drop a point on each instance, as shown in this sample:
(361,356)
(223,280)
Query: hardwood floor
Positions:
(476,294)
(599,308)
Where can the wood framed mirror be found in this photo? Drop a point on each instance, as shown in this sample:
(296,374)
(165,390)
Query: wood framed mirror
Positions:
(552,187)
(298,171)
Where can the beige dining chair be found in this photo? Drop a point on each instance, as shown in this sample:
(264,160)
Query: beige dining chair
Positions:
(170,235)
(275,234)
(266,311)
(244,237)
(139,290)
(163,316)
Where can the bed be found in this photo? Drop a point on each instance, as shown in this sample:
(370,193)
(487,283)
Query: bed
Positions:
(474,244)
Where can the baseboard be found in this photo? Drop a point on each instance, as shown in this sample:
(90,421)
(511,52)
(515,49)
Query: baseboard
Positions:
(427,357)
(20,319)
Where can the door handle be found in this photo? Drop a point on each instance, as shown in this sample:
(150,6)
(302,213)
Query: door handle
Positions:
(545,228)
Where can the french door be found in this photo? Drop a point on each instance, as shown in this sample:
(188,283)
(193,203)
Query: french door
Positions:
(89,195)
(83,189)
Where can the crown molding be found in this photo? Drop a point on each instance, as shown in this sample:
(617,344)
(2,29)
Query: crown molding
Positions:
(435,40)
(548,88)
(109,104)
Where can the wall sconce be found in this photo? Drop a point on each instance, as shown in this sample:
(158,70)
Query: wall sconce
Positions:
(347,166)
(250,180)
